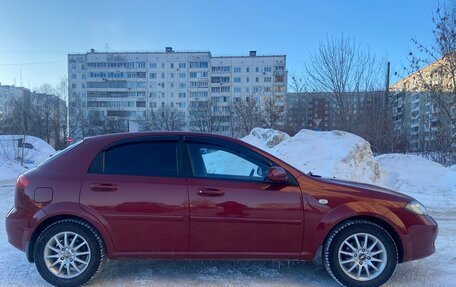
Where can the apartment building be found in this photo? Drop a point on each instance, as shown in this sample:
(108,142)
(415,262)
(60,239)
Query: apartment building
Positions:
(417,115)
(8,94)
(109,90)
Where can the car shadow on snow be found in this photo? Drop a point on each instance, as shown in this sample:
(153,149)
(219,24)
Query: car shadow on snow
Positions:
(213,273)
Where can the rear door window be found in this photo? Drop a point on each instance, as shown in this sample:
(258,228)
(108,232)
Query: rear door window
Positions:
(140,158)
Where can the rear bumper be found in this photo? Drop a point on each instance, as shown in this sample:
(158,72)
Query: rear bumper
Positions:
(420,239)
(16,223)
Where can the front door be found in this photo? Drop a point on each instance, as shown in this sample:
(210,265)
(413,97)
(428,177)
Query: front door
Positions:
(137,189)
(233,209)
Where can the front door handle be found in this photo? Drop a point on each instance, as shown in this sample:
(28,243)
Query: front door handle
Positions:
(103,187)
(210,192)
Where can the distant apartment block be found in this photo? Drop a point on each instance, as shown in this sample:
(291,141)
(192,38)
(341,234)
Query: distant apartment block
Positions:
(43,115)
(319,110)
(416,115)
(7,95)
(115,89)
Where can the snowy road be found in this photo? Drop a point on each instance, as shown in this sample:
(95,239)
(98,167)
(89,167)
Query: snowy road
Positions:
(437,270)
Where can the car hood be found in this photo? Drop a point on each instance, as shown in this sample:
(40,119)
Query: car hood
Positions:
(366,187)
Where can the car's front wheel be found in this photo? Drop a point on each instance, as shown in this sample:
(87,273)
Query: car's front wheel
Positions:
(360,253)
(69,252)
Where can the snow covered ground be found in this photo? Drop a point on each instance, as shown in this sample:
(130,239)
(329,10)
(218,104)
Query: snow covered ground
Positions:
(334,154)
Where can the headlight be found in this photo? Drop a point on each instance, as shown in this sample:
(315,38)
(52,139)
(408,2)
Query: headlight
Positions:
(416,207)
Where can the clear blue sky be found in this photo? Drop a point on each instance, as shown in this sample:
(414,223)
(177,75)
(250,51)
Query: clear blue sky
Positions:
(46,31)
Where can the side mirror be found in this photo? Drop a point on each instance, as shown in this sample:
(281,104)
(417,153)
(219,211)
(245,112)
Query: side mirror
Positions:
(277,174)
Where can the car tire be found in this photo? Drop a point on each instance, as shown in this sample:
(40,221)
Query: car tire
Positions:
(73,250)
(358,245)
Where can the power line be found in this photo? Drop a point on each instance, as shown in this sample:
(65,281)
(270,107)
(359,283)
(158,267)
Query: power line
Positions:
(32,63)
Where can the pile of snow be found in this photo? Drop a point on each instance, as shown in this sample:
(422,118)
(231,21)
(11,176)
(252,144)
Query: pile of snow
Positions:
(425,180)
(331,154)
(345,156)
(36,150)
(265,138)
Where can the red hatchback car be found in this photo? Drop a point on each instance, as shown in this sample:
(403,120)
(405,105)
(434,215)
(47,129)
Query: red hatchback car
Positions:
(200,196)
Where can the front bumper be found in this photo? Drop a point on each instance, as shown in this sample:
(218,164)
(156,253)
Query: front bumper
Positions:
(419,241)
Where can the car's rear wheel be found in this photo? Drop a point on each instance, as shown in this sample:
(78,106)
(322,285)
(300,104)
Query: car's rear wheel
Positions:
(69,252)
(360,253)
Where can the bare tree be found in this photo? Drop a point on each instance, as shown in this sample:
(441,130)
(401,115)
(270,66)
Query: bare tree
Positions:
(273,113)
(165,118)
(342,69)
(204,116)
(439,79)
(248,115)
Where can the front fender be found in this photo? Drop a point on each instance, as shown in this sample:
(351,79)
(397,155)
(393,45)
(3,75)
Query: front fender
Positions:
(321,220)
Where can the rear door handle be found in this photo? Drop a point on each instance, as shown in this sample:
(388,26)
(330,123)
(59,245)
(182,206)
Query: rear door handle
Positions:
(103,187)
(210,192)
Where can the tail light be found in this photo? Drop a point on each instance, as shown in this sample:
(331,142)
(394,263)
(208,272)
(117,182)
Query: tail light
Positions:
(21,183)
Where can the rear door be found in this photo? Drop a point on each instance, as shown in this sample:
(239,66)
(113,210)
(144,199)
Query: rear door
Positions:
(233,209)
(137,188)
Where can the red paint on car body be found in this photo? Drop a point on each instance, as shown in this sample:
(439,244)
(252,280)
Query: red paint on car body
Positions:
(187,216)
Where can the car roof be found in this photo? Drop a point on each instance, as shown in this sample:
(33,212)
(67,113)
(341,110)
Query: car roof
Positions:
(128,135)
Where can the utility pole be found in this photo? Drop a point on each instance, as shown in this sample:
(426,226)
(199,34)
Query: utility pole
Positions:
(20,74)
(387,81)
(387,120)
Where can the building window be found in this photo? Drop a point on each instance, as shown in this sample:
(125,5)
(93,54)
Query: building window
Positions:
(198,94)
(237,69)
(182,95)
(267,69)
(220,79)
(73,76)
(153,75)
(257,69)
(220,89)
(198,64)
(237,89)
(237,79)
(199,84)
(256,79)
(182,65)
(163,65)
(247,79)
(153,65)
(172,65)
(163,75)
(182,85)
(267,79)
(221,69)
(182,75)
(247,69)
